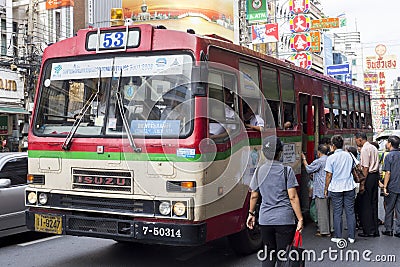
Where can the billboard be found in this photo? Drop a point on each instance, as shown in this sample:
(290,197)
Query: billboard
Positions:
(339,69)
(327,23)
(257,11)
(265,33)
(204,17)
(384,62)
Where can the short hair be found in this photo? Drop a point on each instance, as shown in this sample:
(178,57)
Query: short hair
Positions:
(394,140)
(326,141)
(337,141)
(323,148)
(272,146)
(352,150)
(361,135)
(375,144)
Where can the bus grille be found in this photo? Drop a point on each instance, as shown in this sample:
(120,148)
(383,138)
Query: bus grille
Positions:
(106,205)
(100,180)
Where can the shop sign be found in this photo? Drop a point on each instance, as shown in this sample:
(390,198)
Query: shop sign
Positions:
(4,125)
(299,6)
(327,23)
(52,4)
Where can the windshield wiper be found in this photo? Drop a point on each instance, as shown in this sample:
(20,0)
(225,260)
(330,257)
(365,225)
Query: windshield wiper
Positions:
(68,140)
(124,121)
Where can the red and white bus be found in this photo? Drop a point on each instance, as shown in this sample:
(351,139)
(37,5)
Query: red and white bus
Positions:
(124,145)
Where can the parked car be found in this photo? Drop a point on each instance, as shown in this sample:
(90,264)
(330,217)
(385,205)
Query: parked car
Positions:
(13,171)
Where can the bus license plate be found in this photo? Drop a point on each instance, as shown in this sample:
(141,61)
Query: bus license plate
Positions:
(160,231)
(48,224)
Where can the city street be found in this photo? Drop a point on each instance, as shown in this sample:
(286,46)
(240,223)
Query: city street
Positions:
(28,250)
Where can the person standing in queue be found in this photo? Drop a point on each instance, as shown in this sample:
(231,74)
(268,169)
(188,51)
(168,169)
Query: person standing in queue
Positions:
(391,185)
(341,187)
(279,199)
(369,160)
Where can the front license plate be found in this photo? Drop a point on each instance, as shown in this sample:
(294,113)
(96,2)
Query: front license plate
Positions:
(152,230)
(48,224)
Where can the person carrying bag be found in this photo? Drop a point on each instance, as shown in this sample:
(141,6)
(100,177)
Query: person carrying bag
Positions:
(280,202)
(294,252)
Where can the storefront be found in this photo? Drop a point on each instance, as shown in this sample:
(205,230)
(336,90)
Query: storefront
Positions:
(14,118)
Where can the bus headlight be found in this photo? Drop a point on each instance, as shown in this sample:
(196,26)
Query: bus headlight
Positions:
(42,198)
(32,198)
(165,208)
(179,208)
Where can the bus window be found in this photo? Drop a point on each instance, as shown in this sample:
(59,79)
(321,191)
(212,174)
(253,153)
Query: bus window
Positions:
(328,119)
(251,114)
(344,119)
(270,90)
(143,98)
(336,118)
(288,99)
(223,118)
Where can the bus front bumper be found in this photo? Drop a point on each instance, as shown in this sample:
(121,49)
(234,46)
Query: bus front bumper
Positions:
(166,233)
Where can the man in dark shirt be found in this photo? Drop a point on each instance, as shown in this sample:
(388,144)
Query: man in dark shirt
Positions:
(391,185)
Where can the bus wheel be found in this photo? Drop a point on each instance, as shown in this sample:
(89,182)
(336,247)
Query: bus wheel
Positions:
(246,241)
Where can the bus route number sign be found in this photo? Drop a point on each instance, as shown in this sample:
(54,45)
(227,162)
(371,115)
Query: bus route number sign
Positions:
(113,39)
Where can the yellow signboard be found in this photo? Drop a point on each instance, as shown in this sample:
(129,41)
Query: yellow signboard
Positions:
(326,23)
(315,41)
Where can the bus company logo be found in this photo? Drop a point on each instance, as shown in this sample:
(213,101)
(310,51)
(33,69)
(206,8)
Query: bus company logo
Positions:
(256,4)
(57,69)
(161,62)
(95,180)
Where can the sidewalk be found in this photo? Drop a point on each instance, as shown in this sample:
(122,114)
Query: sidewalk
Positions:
(372,251)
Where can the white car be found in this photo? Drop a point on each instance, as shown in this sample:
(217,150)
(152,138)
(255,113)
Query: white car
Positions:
(13,171)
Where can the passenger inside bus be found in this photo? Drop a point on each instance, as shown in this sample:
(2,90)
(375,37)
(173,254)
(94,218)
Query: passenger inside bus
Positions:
(251,120)
(218,129)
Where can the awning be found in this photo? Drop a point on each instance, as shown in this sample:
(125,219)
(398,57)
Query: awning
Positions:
(13,110)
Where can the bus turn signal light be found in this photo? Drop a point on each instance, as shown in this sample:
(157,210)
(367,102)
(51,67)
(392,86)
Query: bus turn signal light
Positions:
(117,17)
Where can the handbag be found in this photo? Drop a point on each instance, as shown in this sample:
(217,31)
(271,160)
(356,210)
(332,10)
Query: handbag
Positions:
(358,174)
(294,252)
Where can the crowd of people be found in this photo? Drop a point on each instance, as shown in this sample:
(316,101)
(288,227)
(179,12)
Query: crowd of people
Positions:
(339,199)
(332,170)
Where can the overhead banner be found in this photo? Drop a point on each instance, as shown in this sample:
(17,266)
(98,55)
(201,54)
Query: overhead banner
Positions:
(204,17)
(265,33)
(257,11)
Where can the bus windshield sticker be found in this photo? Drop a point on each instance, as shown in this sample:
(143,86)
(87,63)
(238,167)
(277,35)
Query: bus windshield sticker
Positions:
(155,127)
(130,66)
(188,153)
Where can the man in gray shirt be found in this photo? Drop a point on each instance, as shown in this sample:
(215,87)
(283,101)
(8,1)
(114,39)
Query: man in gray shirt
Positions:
(317,168)
(391,185)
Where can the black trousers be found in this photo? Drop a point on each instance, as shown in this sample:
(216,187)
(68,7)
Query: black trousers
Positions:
(275,238)
(369,205)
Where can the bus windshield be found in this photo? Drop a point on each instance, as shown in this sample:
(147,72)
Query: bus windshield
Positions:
(153,93)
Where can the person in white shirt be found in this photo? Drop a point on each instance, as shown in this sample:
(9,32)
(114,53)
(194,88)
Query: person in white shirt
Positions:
(251,120)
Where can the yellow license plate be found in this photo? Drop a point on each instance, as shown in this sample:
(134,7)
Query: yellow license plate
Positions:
(48,224)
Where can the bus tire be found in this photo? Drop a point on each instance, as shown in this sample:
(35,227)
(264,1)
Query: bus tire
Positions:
(246,241)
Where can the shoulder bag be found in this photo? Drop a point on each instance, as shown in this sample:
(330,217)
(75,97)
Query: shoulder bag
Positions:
(358,174)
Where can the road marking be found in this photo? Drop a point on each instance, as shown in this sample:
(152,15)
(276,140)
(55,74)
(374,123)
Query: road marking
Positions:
(39,241)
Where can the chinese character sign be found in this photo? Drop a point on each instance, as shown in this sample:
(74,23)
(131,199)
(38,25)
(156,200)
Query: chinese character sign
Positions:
(315,41)
(299,6)
(326,23)
(300,23)
(302,59)
(266,33)
(257,11)
(300,42)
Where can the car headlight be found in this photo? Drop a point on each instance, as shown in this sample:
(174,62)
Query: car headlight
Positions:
(179,208)
(165,208)
(32,198)
(42,198)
